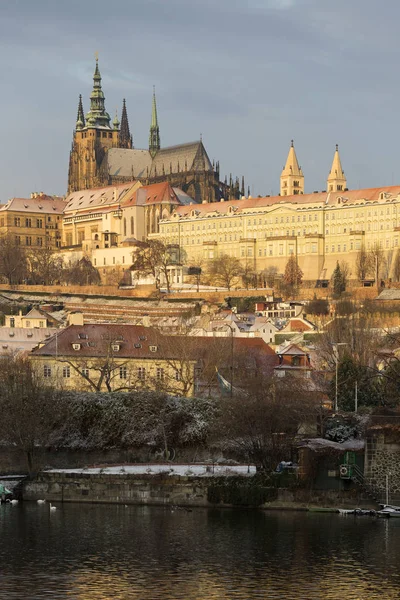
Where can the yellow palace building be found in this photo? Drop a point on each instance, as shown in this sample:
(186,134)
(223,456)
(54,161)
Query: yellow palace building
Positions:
(319,229)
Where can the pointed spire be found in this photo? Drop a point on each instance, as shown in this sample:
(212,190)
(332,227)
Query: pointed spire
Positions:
(97,116)
(154,138)
(125,138)
(80,119)
(336,179)
(292,178)
(292,164)
(242,189)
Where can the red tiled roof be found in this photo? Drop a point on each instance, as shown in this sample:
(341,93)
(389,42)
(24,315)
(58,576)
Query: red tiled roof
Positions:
(155,193)
(319,198)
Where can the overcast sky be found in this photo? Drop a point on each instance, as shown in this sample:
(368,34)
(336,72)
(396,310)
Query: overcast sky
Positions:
(249,75)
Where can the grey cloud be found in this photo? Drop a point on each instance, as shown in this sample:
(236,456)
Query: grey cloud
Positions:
(249,75)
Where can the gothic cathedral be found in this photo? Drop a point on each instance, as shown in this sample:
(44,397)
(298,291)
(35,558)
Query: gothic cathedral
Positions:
(103,154)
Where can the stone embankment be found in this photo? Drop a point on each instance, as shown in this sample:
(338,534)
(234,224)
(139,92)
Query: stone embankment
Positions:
(188,490)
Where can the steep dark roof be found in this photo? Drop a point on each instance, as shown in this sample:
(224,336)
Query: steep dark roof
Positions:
(137,163)
(184,157)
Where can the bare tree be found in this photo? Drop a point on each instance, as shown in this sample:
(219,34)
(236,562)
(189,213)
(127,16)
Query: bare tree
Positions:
(363,264)
(346,271)
(45,266)
(195,271)
(81,272)
(13,262)
(30,411)
(177,373)
(103,372)
(396,266)
(249,275)
(262,425)
(155,258)
(269,274)
(377,259)
(387,263)
(225,270)
(352,333)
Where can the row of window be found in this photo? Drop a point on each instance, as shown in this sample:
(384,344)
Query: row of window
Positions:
(282,219)
(98,134)
(27,222)
(123,373)
(28,240)
(114,261)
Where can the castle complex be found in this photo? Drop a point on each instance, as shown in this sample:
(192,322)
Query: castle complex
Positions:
(319,229)
(120,196)
(103,154)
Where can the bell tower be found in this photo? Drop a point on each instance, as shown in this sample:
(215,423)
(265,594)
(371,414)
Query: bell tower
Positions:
(336,181)
(92,138)
(292,178)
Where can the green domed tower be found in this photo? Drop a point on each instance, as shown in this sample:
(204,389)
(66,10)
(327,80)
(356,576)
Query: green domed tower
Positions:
(93,137)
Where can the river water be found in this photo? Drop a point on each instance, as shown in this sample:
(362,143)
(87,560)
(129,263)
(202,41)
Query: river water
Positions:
(93,552)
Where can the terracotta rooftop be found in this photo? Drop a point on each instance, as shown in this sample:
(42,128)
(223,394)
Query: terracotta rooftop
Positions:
(156,193)
(318,199)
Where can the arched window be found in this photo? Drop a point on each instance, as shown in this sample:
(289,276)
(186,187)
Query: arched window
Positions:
(124,226)
(132,226)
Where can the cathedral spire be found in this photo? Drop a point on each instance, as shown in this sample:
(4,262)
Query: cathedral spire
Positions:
(97,116)
(292,178)
(125,138)
(154,138)
(336,179)
(80,118)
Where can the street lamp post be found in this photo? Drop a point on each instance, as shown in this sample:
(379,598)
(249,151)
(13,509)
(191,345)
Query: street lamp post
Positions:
(232,354)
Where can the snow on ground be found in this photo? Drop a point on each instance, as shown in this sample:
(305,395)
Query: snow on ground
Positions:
(186,470)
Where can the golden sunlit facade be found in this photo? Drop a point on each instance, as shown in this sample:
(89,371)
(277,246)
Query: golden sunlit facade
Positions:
(319,229)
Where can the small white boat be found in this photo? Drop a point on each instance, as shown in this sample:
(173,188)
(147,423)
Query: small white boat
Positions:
(388,510)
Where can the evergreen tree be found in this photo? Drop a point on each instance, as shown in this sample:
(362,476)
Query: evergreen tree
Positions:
(293,275)
(338,281)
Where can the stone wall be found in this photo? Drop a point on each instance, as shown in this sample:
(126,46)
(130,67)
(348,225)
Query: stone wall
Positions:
(383,458)
(142,291)
(171,490)
(121,489)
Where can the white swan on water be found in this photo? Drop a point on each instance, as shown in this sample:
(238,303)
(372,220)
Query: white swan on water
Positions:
(14,501)
(52,507)
(40,501)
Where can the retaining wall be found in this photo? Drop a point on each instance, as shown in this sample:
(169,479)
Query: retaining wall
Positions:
(167,490)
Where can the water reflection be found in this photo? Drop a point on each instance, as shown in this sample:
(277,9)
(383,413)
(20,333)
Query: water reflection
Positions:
(102,552)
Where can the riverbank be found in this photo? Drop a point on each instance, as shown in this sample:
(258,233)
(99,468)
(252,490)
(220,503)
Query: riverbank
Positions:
(205,486)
